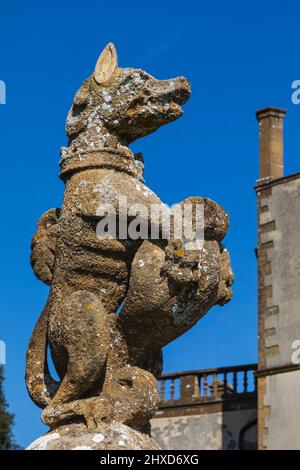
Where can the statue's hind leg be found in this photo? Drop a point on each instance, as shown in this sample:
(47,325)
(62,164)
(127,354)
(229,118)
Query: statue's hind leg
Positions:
(83,331)
(131,397)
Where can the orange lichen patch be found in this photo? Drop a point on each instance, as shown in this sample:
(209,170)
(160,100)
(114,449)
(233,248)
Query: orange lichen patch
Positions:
(90,306)
(38,388)
(180,252)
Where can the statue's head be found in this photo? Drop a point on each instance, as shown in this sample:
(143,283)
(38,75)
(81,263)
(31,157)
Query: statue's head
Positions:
(129,103)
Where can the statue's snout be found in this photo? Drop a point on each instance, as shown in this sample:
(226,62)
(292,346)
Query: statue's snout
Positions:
(182,90)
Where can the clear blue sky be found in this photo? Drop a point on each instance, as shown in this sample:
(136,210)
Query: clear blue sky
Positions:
(239,56)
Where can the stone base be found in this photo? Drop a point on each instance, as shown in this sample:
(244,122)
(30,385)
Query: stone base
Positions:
(78,437)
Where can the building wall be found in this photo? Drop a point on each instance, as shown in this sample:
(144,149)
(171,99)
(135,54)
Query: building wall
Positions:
(283,421)
(283,219)
(209,431)
(279,311)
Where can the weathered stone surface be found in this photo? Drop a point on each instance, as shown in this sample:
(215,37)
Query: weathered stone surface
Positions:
(115,302)
(78,437)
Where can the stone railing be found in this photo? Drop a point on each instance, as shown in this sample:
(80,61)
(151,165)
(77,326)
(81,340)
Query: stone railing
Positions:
(209,385)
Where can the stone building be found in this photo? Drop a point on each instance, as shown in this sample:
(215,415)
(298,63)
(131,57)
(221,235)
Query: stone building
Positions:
(208,409)
(256,405)
(278,375)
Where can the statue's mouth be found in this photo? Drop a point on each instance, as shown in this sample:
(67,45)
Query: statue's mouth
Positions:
(179,91)
(173,100)
(182,91)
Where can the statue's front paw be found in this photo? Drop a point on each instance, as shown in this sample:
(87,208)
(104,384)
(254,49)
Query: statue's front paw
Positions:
(94,411)
(97,411)
(201,263)
(50,416)
(43,246)
(226,278)
(181,266)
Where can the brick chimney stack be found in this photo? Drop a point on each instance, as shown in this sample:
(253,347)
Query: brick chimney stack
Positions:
(271,141)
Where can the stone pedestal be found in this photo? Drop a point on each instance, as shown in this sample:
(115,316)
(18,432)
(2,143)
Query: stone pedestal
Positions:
(78,437)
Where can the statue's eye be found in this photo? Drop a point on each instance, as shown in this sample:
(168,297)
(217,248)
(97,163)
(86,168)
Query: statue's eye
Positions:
(139,101)
(78,109)
(126,81)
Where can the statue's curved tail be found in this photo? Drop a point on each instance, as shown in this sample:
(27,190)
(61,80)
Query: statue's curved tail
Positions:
(40,385)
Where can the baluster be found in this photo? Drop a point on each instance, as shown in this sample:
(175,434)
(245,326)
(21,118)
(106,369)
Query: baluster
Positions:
(172,389)
(162,389)
(245,381)
(234,382)
(196,387)
(225,383)
(205,386)
(215,385)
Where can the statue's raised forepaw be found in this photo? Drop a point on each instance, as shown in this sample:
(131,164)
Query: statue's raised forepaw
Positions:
(199,257)
(226,278)
(43,246)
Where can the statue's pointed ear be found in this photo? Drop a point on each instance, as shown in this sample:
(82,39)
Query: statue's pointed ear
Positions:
(106,64)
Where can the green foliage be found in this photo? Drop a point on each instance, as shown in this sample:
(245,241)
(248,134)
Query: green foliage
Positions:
(6,420)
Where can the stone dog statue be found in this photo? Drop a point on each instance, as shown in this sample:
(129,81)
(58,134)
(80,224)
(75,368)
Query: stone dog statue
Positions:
(114,303)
